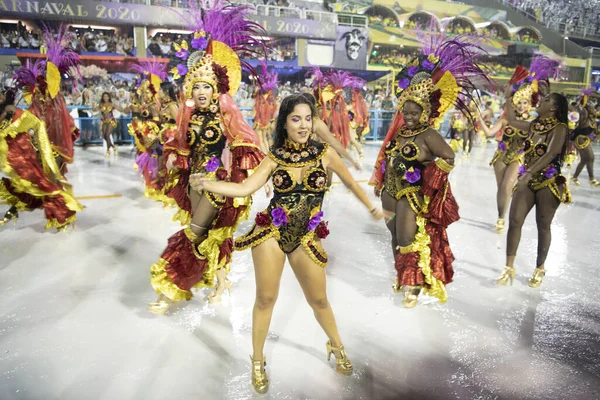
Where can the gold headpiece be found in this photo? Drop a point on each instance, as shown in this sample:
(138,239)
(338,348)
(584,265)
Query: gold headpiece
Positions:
(202,71)
(525,92)
(418,93)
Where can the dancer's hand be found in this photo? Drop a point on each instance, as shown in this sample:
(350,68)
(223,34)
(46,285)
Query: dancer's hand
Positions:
(268,189)
(377,191)
(524,180)
(170,160)
(198,182)
(377,214)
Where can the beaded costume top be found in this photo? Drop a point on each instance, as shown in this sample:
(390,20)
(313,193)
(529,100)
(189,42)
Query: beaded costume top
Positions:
(403,173)
(206,139)
(294,213)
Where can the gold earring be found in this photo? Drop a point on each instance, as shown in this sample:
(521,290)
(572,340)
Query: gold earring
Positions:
(214,99)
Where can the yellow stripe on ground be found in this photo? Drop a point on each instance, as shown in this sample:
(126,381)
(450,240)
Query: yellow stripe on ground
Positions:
(104,196)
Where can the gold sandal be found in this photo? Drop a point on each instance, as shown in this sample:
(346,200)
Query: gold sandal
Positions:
(411,296)
(536,279)
(260,379)
(499,227)
(9,216)
(342,364)
(508,274)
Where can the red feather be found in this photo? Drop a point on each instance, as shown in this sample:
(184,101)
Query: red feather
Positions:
(520,74)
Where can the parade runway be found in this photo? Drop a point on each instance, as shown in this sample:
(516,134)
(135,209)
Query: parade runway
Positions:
(74,325)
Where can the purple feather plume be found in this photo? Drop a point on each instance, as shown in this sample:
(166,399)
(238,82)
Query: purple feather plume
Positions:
(58,52)
(152,67)
(588,91)
(25,77)
(543,67)
(229,24)
(317,75)
(268,80)
(339,79)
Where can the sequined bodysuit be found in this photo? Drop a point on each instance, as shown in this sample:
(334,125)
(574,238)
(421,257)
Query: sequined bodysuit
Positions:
(403,172)
(301,201)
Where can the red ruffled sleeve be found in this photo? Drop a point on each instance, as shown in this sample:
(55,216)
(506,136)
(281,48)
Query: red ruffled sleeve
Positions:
(442,209)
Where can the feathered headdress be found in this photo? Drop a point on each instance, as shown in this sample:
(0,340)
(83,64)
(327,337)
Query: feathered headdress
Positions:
(435,79)
(45,75)
(267,81)
(222,35)
(335,82)
(150,73)
(527,87)
(317,77)
(542,68)
(585,95)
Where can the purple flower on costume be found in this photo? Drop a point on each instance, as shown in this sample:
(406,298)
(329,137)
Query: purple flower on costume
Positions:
(279,216)
(199,43)
(315,221)
(521,151)
(592,136)
(383,167)
(412,71)
(428,65)
(412,176)
(502,146)
(182,69)
(522,170)
(404,83)
(550,172)
(183,54)
(213,164)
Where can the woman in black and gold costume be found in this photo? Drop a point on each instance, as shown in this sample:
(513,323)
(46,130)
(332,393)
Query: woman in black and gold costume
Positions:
(413,165)
(540,182)
(108,121)
(208,123)
(292,226)
(509,155)
(583,136)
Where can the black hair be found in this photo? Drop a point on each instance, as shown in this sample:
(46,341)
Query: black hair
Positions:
(9,100)
(310,98)
(102,97)
(169,90)
(562,107)
(287,106)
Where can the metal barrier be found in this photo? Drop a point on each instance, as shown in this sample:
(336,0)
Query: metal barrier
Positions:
(276,11)
(360,21)
(89,127)
(321,16)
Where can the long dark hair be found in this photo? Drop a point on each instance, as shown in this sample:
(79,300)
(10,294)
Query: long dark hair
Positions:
(169,90)
(9,100)
(102,97)
(286,108)
(562,108)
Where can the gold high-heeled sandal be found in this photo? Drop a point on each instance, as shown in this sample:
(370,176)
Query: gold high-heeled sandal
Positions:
(411,296)
(594,182)
(9,216)
(508,274)
(536,279)
(215,296)
(342,364)
(116,150)
(107,155)
(161,305)
(499,227)
(397,287)
(260,379)
(575,181)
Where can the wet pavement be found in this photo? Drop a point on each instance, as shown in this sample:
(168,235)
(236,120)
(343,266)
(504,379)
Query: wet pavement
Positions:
(74,325)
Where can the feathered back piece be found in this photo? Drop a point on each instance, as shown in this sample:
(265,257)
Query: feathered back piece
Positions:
(542,68)
(435,79)
(267,81)
(338,80)
(222,36)
(58,51)
(585,95)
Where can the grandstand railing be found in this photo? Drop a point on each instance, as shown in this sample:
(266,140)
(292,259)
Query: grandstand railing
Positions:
(359,21)
(276,11)
(321,16)
(89,127)
(567,30)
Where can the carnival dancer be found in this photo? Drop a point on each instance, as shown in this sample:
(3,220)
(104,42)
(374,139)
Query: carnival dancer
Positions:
(46,101)
(458,126)
(411,171)
(32,176)
(360,109)
(291,227)
(146,129)
(509,155)
(583,136)
(265,107)
(108,121)
(209,122)
(541,184)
